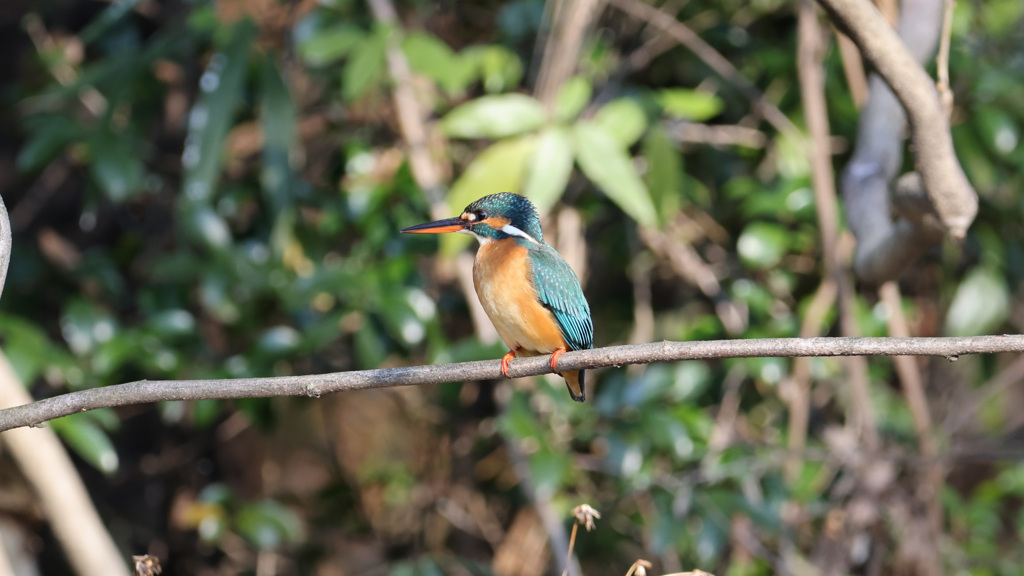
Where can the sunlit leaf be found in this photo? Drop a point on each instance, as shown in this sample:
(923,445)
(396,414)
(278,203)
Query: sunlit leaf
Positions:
(279,340)
(762,245)
(572,97)
(330,44)
(212,116)
(278,119)
(494,117)
(981,304)
(84,435)
(1000,131)
(605,161)
(499,168)
(664,174)
(500,67)
(366,65)
(173,322)
(549,168)
(430,56)
(623,118)
(690,104)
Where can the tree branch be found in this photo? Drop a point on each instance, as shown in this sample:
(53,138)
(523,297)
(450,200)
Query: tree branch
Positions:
(5,243)
(315,385)
(886,248)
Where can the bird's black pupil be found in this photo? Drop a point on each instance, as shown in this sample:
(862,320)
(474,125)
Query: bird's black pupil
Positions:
(481,215)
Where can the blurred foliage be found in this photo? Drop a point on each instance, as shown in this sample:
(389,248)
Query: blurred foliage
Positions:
(210,190)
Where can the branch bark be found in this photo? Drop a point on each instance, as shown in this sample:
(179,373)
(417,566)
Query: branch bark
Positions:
(885,248)
(315,385)
(5,244)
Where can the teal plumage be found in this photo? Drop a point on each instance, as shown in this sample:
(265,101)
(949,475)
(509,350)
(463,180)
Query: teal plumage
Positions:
(531,295)
(559,290)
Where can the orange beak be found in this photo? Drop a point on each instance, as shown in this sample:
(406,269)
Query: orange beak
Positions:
(438,227)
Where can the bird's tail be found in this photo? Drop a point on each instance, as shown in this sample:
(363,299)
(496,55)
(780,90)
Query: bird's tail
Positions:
(576,382)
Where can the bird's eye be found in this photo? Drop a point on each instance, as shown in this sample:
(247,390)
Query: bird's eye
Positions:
(481,215)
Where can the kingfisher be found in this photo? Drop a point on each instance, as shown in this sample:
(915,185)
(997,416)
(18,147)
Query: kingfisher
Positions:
(529,292)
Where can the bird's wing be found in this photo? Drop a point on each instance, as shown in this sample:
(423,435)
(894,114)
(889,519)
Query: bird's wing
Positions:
(558,290)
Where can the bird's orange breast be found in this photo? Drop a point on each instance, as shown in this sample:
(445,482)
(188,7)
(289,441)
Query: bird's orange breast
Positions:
(501,275)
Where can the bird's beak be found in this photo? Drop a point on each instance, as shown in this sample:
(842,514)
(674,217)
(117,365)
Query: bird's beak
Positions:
(438,227)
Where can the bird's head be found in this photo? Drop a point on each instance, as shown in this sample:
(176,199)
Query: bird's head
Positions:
(493,217)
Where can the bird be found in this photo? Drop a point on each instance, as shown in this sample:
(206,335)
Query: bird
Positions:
(529,292)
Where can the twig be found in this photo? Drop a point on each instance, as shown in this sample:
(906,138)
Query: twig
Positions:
(46,465)
(799,400)
(315,385)
(853,69)
(713,58)
(571,19)
(1008,376)
(717,135)
(5,244)
(913,390)
(942,60)
(810,52)
(954,201)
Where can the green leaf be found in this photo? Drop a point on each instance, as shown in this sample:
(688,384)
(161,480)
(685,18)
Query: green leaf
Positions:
(500,67)
(210,119)
(499,168)
(269,525)
(998,129)
(624,118)
(430,56)
(49,136)
(762,245)
(89,441)
(110,16)
(572,97)
(330,44)
(549,168)
(494,117)
(27,348)
(690,104)
(366,64)
(278,118)
(278,340)
(116,167)
(605,161)
(664,172)
(981,304)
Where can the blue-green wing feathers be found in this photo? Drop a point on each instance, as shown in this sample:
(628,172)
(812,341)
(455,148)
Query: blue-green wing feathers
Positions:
(558,289)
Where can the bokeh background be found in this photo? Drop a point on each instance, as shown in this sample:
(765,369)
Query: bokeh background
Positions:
(214,190)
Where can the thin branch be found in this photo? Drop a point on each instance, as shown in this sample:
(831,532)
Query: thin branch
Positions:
(810,54)
(5,244)
(942,60)
(315,385)
(569,25)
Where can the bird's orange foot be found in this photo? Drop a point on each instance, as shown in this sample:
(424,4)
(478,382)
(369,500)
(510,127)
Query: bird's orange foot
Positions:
(554,359)
(504,362)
